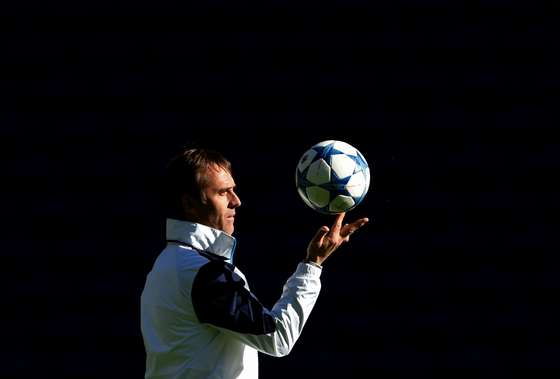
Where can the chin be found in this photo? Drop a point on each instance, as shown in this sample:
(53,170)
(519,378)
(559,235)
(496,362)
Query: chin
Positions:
(228,228)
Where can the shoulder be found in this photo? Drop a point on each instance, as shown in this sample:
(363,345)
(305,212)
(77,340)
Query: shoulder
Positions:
(179,264)
(215,269)
(187,258)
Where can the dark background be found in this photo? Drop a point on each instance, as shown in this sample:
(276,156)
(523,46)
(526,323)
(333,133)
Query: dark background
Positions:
(453,105)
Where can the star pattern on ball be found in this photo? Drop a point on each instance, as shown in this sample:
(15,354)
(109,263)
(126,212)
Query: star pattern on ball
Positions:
(332,177)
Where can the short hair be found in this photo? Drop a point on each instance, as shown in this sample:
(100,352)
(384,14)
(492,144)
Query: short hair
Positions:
(185,174)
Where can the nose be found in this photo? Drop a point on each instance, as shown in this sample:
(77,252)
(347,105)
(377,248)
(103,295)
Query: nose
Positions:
(235,201)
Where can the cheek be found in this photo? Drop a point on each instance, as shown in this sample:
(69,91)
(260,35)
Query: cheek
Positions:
(218,210)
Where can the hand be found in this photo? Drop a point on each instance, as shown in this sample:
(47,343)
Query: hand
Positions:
(326,241)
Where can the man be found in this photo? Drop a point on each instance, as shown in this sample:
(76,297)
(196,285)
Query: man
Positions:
(198,316)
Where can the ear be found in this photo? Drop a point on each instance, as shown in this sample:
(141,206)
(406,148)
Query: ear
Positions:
(188,204)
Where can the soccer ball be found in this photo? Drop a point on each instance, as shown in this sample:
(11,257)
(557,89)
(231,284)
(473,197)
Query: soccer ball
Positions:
(332,177)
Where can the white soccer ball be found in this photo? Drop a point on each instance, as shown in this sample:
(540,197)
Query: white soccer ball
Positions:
(332,177)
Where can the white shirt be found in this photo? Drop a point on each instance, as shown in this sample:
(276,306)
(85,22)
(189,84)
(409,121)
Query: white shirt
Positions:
(179,345)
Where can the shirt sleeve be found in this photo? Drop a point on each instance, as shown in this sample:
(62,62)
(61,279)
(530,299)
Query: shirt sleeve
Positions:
(220,299)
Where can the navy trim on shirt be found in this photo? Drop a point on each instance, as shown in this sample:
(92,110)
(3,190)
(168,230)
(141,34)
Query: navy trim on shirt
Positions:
(220,298)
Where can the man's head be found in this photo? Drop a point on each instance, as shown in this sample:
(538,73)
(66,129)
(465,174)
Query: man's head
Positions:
(200,188)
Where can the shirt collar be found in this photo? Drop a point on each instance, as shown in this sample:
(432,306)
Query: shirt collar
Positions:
(201,237)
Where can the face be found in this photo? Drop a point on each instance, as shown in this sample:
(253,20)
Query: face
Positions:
(219,201)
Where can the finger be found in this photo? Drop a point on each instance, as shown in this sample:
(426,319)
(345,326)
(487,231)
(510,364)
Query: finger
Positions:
(335,230)
(318,238)
(345,229)
(351,228)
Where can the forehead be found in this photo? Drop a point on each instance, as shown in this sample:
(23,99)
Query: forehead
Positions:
(218,177)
